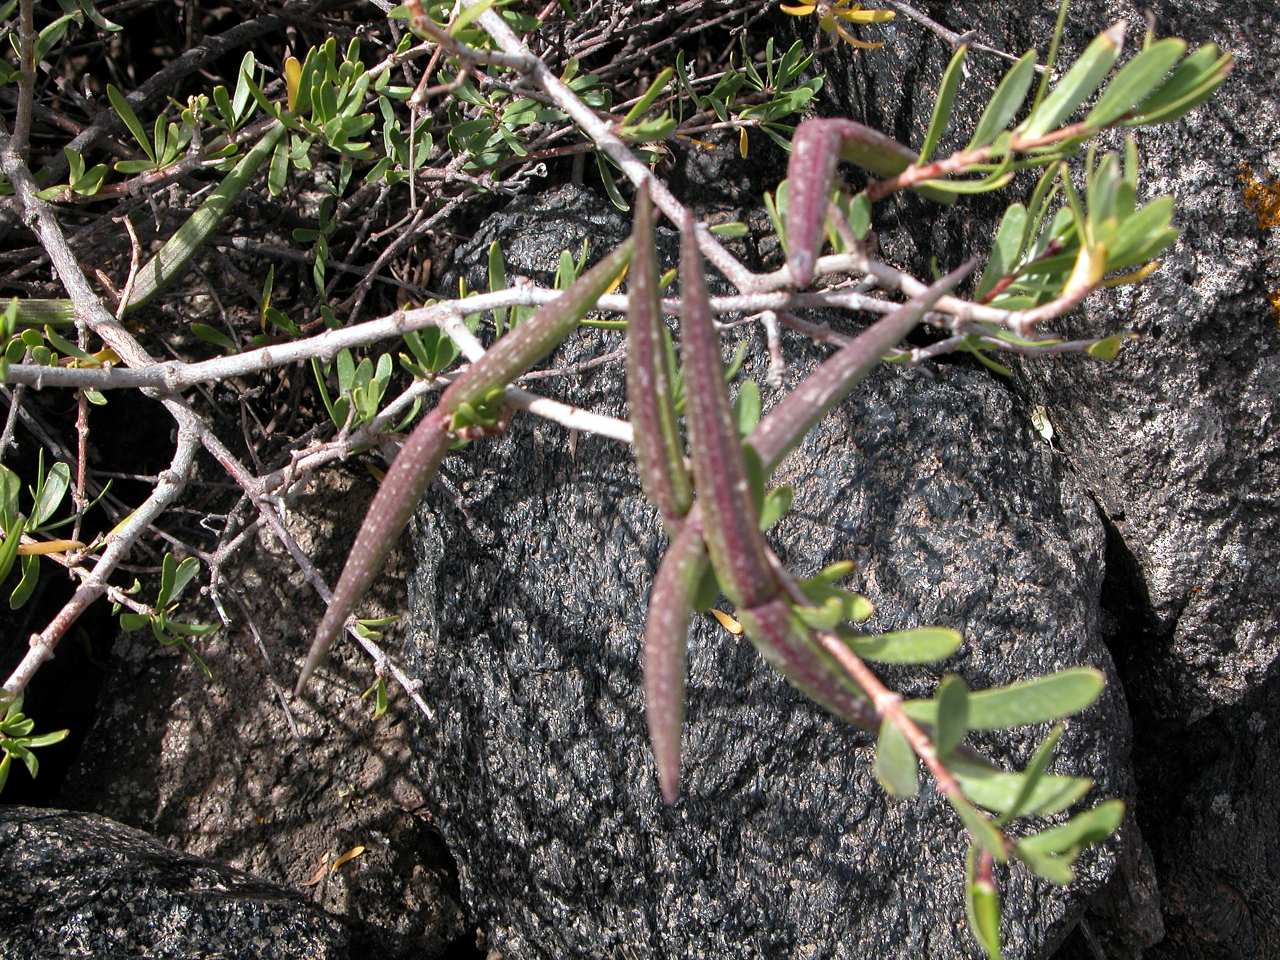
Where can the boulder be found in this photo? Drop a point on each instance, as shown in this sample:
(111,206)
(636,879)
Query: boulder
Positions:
(226,767)
(77,885)
(533,559)
(1177,441)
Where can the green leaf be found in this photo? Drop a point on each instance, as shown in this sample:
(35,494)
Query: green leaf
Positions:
(498,281)
(240,99)
(9,549)
(1143,235)
(1136,81)
(1081,80)
(952,723)
(208,334)
(860,215)
(278,171)
(1033,774)
(610,186)
(1038,700)
(1108,347)
(999,790)
(27,585)
(985,833)
(1006,250)
(1103,193)
(468,13)
(746,407)
(10,488)
(942,106)
(29,759)
(183,575)
(17,729)
(47,739)
(171,259)
(98,19)
(5,763)
(730,230)
(52,492)
(1006,101)
(190,629)
(993,181)
(379,691)
(982,906)
(646,100)
(1192,82)
(91,182)
(50,36)
(120,104)
(921,645)
(1082,830)
(776,504)
(895,762)
(130,622)
(1054,868)
(168,577)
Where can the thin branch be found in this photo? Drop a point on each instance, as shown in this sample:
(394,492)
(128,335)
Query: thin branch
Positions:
(121,544)
(26,75)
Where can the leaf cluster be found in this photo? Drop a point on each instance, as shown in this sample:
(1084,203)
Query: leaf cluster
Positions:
(18,740)
(161,618)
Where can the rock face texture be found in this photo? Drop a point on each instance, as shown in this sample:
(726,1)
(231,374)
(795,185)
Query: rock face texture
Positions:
(87,888)
(1177,441)
(534,562)
(230,770)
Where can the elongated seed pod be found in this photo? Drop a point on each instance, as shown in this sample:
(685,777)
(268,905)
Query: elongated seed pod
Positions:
(671,600)
(817,146)
(658,452)
(420,457)
(729,522)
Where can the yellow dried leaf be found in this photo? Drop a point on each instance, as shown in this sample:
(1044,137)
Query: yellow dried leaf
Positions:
(40,548)
(855,14)
(1091,264)
(346,857)
(617,281)
(1133,276)
(292,79)
(742,142)
(319,873)
(726,621)
(800,9)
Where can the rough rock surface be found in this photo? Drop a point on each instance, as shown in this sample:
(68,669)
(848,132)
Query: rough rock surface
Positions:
(1178,443)
(84,887)
(223,769)
(534,561)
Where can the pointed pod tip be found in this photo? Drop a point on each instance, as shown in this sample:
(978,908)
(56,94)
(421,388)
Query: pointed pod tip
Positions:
(802,264)
(670,784)
(1115,33)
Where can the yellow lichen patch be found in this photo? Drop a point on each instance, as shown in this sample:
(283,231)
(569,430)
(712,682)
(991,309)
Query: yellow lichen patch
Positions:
(1262,197)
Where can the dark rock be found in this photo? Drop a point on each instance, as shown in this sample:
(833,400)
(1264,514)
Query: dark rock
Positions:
(227,768)
(1177,440)
(536,228)
(527,605)
(82,886)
